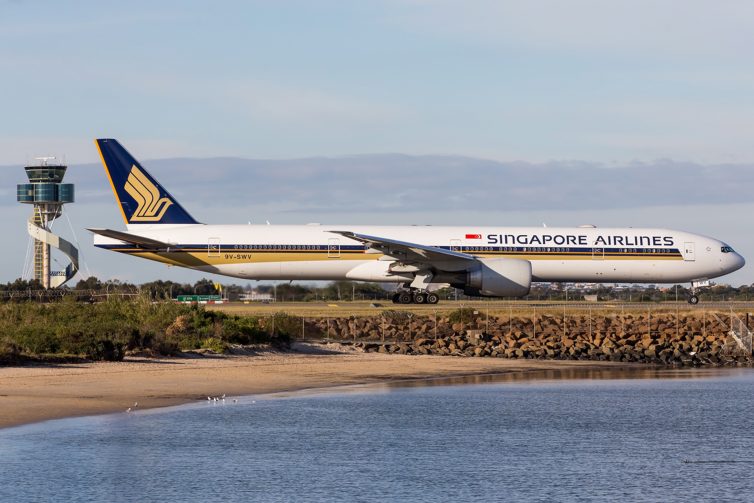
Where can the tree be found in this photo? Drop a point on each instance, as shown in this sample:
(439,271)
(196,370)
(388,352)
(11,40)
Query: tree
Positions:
(90,283)
(21,285)
(205,287)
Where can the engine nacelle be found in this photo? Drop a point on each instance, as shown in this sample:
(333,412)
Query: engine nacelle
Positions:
(499,277)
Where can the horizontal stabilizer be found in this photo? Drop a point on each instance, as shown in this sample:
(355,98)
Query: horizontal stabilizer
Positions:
(140,241)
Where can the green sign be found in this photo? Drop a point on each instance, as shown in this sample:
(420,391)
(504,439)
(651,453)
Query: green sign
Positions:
(198,298)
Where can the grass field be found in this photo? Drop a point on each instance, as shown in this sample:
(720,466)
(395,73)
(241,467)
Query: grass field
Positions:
(518,308)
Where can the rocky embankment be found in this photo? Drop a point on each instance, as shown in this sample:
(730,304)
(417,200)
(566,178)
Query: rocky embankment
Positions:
(687,339)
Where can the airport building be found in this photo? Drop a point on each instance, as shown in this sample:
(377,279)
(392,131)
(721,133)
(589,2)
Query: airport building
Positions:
(47,194)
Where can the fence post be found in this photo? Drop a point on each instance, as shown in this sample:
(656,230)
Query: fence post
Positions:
(590,324)
(303,327)
(328,329)
(436,324)
(565,326)
(731,318)
(510,320)
(534,323)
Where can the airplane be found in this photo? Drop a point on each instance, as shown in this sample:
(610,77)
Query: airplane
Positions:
(481,261)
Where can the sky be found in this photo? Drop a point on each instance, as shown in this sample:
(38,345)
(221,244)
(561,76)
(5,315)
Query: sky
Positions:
(616,113)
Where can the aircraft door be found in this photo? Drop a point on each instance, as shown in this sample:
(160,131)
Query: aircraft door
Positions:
(333,248)
(213,247)
(455,245)
(598,253)
(689,252)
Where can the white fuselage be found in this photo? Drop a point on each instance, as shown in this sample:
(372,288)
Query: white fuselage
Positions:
(312,252)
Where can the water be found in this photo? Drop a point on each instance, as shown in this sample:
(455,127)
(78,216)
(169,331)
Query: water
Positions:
(658,439)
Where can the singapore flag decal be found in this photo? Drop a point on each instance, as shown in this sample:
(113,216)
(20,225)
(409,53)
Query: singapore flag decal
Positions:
(473,236)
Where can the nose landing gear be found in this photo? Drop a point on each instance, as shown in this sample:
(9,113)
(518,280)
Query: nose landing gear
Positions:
(696,285)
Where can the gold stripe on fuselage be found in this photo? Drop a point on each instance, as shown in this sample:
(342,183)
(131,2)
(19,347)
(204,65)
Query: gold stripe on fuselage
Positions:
(201,258)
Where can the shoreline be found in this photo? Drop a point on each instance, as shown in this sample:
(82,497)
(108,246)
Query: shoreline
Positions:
(31,394)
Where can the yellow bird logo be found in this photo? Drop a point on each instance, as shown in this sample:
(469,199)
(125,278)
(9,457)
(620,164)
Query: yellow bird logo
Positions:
(150,207)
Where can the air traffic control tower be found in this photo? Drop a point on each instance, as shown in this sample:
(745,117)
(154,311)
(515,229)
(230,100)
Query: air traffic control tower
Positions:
(46,192)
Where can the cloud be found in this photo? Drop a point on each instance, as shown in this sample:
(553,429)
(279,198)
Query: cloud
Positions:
(394,183)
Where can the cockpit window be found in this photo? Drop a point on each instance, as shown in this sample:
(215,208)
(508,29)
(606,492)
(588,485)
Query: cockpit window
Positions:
(726,249)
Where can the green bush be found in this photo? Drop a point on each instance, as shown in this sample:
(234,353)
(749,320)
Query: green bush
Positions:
(462,315)
(106,330)
(282,327)
(214,344)
(244,330)
(9,351)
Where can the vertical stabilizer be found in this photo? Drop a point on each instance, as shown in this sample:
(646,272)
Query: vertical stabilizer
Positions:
(142,200)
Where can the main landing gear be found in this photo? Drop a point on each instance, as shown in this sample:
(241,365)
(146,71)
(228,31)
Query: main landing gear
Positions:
(415,297)
(693,299)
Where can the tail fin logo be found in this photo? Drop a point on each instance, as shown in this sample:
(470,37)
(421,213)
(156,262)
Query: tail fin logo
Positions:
(150,207)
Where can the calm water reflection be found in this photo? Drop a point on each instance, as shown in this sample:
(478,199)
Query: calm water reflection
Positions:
(645,435)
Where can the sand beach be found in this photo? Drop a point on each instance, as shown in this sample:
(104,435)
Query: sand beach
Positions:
(35,393)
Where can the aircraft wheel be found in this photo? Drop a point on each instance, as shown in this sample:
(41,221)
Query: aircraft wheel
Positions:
(693,300)
(433,298)
(420,298)
(405,298)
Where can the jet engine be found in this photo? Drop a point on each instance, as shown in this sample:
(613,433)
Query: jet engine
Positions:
(499,277)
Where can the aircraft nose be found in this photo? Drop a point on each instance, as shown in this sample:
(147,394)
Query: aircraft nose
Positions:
(737,262)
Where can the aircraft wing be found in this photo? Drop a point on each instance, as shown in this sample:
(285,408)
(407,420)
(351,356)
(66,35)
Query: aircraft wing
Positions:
(140,241)
(408,252)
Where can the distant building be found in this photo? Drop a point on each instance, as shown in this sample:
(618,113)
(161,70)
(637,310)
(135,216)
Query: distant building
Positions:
(255,296)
